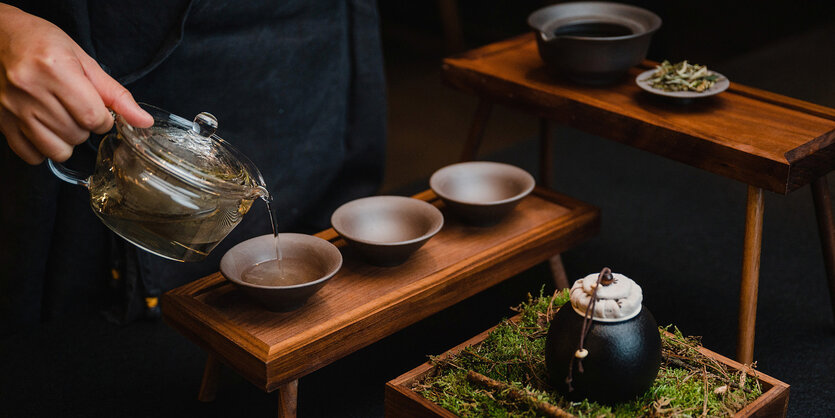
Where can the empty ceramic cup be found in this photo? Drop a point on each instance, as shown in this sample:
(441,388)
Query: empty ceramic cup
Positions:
(386,230)
(307,262)
(481,192)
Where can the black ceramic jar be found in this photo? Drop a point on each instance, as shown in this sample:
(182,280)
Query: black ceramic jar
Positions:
(621,350)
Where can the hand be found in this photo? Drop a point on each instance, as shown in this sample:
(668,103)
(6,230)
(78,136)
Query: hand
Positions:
(52,94)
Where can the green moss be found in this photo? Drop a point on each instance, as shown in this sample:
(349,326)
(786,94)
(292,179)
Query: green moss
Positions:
(514,353)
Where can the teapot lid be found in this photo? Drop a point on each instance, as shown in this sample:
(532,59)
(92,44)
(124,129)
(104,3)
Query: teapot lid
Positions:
(192,152)
(617,301)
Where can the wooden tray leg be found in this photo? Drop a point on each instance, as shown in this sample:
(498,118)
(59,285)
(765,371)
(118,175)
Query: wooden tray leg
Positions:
(750,275)
(558,272)
(826,230)
(545,148)
(211,373)
(476,134)
(545,175)
(287,399)
(453,33)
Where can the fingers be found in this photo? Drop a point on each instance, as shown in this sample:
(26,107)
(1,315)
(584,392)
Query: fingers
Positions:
(52,94)
(17,141)
(46,141)
(36,122)
(77,94)
(34,134)
(114,95)
(47,106)
(49,111)
(23,148)
(32,140)
(63,123)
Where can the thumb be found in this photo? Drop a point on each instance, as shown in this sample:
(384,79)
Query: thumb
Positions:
(115,96)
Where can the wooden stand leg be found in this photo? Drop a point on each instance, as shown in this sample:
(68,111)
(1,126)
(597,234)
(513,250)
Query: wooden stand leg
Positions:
(545,147)
(208,387)
(545,175)
(826,230)
(482,113)
(558,272)
(750,275)
(287,399)
(453,34)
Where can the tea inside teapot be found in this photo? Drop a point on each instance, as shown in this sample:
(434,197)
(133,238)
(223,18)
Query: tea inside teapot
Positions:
(174,189)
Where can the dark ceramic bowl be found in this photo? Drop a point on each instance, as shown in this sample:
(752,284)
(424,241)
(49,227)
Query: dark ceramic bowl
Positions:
(593,42)
(386,230)
(481,192)
(308,263)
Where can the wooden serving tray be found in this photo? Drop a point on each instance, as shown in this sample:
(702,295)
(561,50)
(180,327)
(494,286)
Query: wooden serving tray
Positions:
(402,401)
(362,303)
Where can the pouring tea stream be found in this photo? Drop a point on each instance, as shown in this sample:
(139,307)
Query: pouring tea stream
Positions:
(174,189)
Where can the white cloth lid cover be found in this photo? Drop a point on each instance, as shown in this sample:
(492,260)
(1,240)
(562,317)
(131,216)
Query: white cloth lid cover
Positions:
(619,301)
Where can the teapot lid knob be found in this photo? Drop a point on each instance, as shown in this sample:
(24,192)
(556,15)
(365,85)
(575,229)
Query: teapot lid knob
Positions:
(205,124)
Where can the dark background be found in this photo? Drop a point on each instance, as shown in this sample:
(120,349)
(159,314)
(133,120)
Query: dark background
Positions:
(704,31)
(674,229)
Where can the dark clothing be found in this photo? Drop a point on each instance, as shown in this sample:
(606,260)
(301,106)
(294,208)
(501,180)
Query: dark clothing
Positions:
(297,86)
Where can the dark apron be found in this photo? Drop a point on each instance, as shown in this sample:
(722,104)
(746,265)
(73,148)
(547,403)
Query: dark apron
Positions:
(297,86)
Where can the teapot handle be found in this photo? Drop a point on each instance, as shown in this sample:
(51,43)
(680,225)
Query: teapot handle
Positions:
(68,175)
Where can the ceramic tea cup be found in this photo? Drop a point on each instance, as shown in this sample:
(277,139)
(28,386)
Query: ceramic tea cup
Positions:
(386,230)
(481,192)
(307,262)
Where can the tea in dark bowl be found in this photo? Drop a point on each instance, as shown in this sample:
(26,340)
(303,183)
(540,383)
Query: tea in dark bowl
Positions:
(593,42)
(281,285)
(593,30)
(286,272)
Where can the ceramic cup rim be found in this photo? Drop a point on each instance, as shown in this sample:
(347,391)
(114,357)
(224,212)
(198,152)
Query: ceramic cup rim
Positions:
(437,216)
(328,275)
(523,174)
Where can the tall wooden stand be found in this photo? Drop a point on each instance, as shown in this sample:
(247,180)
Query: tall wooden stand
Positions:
(765,140)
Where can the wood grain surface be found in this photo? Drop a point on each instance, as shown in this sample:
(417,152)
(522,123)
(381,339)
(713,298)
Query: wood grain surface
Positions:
(364,303)
(402,401)
(763,139)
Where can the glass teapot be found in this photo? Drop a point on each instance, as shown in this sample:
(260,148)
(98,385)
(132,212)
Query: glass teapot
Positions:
(175,189)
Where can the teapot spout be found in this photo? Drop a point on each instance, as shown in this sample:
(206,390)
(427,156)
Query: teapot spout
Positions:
(263,193)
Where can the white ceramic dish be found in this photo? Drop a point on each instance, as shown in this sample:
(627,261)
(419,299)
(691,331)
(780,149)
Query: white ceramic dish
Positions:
(721,85)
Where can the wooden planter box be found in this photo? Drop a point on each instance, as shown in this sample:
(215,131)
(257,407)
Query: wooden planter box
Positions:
(402,401)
